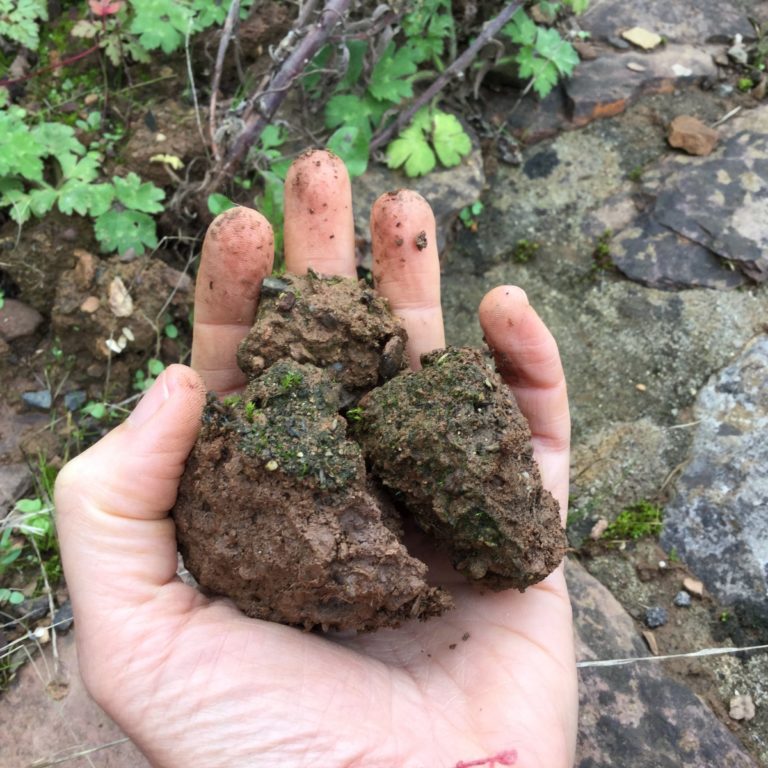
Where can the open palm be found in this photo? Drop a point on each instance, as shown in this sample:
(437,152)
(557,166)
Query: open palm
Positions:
(193,681)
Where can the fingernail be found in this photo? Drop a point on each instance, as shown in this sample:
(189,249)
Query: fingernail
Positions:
(155,396)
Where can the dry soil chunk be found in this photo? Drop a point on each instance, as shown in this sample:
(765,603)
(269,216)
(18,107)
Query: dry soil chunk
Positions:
(451,439)
(333,323)
(275,511)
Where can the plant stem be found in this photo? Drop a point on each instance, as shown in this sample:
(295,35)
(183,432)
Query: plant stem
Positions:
(226,36)
(263,105)
(489,31)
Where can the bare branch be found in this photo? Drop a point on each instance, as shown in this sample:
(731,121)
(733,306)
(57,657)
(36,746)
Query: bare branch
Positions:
(489,31)
(266,103)
(226,36)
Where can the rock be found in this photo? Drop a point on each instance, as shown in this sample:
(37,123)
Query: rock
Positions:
(716,521)
(682,599)
(120,301)
(693,586)
(605,87)
(714,20)
(624,709)
(642,38)
(17,320)
(40,399)
(656,616)
(448,190)
(14,481)
(85,269)
(63,618)
(705,217)
(690,134)
(90,305)
(75,399)
(742,707)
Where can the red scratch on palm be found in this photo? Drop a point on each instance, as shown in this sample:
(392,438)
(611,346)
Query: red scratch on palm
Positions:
(503,758)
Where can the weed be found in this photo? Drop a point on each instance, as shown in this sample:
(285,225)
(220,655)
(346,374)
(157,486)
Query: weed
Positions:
(355,414)
(143,380)
(250,409)
(290,381)
(745,84)
(601,256)
(635,522)
(232,400)
(636,174)
(469,213)
(524,251)
(20,19)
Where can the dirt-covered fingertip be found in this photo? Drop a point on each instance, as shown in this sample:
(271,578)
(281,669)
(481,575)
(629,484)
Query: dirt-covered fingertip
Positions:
(395,213)
(239,231)
(312,170)
(504,306)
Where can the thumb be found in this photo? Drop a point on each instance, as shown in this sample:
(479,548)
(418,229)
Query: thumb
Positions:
(118,544)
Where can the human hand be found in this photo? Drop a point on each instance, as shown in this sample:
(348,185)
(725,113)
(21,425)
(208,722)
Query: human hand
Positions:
(195,683)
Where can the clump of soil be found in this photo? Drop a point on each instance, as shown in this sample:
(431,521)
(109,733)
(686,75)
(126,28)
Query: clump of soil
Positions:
(451,439)
(277,508)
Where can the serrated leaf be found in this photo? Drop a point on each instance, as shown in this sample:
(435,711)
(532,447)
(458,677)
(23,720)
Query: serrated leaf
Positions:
(521,29)
(160,24)
(141,196)
(391,79)
(124,230)
(561,53)
(346,109)
(449,139)
(83,169)
(351,144)
(411,150)
(42,200)
(20,152)
(19,20)
(174,162)
(76,196)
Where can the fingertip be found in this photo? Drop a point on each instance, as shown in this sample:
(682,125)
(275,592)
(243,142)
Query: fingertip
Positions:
(505,304)
(319,227)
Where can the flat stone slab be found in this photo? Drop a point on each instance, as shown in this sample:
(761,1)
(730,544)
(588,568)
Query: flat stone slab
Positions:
(707,224)
(607,85)
(634,715)
(717,520)
(708,20)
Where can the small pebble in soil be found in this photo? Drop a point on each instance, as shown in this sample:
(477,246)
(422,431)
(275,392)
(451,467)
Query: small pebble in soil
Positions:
(682,599)
(655,616)
(41,399)
(73,400)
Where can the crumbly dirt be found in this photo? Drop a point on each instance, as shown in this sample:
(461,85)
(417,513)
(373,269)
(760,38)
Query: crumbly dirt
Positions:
(277,509)
(451,439)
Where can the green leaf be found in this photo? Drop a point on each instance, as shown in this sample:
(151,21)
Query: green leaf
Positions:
(312,79)
(171,331)
(412,151)
(449,139)
(122,230)
(160,24)
(83,169)
(155,366)
(346,109)
(28,506)
(272,137)
(578,6)
(19,21)
(391,79)
(42,200)
(542,72)
(521,29)
(20,152)
(141,196)
(351,144)
(95,410)
(58,140)
(560,52)
(271,204)
(218,203)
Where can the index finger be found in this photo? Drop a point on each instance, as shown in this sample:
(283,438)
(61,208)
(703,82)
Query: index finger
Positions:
(238,252)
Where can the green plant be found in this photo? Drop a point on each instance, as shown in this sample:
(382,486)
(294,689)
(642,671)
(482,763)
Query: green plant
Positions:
(469,213)
(635,522)
(636,174)
(432,135)
(524,251)
(143,380)
(355,414)
(543,56)
(131,30)
(30,155)
(745,84)
(2,298)
(290,381)
(250,409)
(601,256)
(19,21)
(360,104)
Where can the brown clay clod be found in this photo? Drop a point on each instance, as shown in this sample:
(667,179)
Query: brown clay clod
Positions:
(283,505)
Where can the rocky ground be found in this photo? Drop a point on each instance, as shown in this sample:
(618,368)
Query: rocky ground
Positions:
(648,263)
